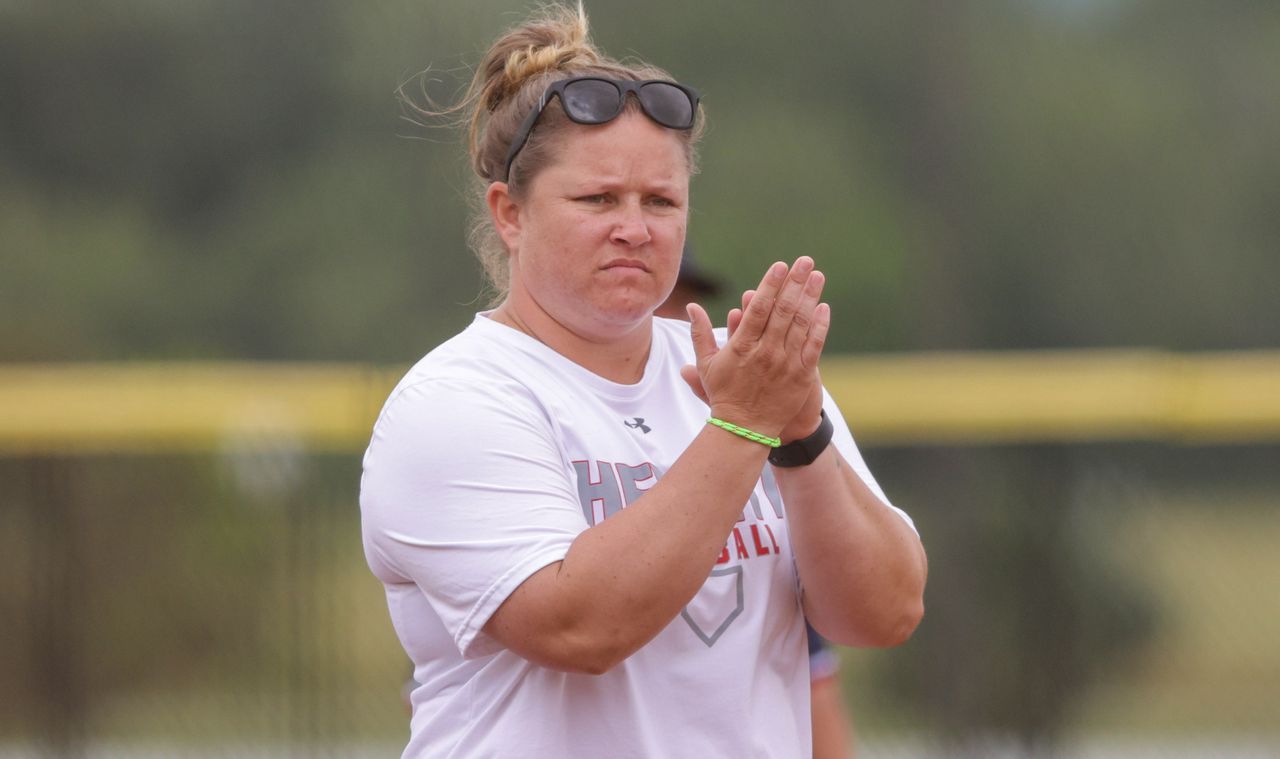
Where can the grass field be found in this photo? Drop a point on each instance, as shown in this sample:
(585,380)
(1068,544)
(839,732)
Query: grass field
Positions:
(1211,672)
(1216,664)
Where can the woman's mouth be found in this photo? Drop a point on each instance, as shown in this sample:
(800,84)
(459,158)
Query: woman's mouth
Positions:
(626,263)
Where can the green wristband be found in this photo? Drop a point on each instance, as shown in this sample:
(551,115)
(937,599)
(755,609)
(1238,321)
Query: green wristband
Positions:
(754,437)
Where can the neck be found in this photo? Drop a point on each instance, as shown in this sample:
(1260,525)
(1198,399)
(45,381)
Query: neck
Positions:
(620,358)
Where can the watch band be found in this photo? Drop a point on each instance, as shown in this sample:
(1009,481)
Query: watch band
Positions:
(804,451)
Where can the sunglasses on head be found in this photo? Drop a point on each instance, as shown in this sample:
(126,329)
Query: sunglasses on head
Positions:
(596,100)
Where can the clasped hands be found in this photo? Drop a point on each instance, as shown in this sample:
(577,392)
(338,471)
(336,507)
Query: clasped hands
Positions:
(765,377)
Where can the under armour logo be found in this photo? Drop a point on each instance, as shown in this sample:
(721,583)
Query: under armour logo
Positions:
(638,424)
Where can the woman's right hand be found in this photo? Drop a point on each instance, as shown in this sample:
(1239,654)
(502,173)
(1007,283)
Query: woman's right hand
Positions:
(765,376)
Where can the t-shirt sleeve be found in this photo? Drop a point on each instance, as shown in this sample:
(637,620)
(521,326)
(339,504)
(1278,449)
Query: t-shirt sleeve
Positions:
(465,494)
(843,441)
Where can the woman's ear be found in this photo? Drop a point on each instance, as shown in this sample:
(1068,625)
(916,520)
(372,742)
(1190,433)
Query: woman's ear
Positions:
(505,213)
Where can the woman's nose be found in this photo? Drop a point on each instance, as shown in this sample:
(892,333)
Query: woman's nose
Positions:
(631,228)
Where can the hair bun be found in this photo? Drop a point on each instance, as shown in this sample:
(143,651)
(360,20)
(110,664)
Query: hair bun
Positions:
(555,41)
(524,64)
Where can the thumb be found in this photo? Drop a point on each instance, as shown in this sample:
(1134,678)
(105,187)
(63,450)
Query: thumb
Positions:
(704,342)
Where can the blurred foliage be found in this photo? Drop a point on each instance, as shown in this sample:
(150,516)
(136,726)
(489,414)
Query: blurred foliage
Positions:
(232,179)
(1083,590)
(1032,607)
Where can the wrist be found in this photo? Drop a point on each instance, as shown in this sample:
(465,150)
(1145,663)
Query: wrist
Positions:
(744,418)
(799,430)
(805,450)
(745,433)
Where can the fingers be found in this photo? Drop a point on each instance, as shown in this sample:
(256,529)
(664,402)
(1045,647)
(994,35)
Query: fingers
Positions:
(803,319)
(789,304)
(775,341)
(735,315)
(816,338)
(755,316)
(785,303)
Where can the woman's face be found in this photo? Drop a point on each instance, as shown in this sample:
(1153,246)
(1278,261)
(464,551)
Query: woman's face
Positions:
(598,236)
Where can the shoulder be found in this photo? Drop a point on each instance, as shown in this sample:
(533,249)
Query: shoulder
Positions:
(474,380)
(479,362)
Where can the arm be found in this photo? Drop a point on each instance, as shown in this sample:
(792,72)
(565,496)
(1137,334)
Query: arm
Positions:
(625,579)
(861,565)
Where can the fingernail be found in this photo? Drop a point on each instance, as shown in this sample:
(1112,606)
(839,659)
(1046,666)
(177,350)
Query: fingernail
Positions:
(778,270)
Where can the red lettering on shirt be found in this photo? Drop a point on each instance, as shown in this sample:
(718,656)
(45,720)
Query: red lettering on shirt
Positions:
(755,538)
(772,539)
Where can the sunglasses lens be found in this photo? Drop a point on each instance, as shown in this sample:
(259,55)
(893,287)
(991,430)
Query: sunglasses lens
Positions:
(591,101)
(668,105)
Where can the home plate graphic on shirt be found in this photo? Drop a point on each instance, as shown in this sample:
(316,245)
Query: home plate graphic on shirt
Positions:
(717,604)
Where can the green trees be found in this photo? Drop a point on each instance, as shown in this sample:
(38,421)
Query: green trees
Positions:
(230,179)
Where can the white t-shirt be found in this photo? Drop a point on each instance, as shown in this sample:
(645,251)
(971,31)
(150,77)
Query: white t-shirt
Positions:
(490,456)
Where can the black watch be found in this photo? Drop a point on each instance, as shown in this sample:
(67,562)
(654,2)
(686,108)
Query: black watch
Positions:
(804,451)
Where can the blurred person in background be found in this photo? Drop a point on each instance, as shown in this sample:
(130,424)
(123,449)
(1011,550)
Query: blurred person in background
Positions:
(833,736)
(601,532)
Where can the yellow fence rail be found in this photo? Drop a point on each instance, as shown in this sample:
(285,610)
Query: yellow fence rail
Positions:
(958,398)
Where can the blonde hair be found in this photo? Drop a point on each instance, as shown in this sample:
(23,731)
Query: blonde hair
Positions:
(551,45)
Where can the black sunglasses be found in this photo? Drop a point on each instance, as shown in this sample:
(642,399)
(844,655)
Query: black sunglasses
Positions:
(595,100)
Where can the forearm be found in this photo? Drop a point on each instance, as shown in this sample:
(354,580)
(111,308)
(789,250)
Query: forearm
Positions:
(861,566)
(626,578)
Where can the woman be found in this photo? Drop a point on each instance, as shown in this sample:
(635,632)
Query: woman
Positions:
(598,536)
